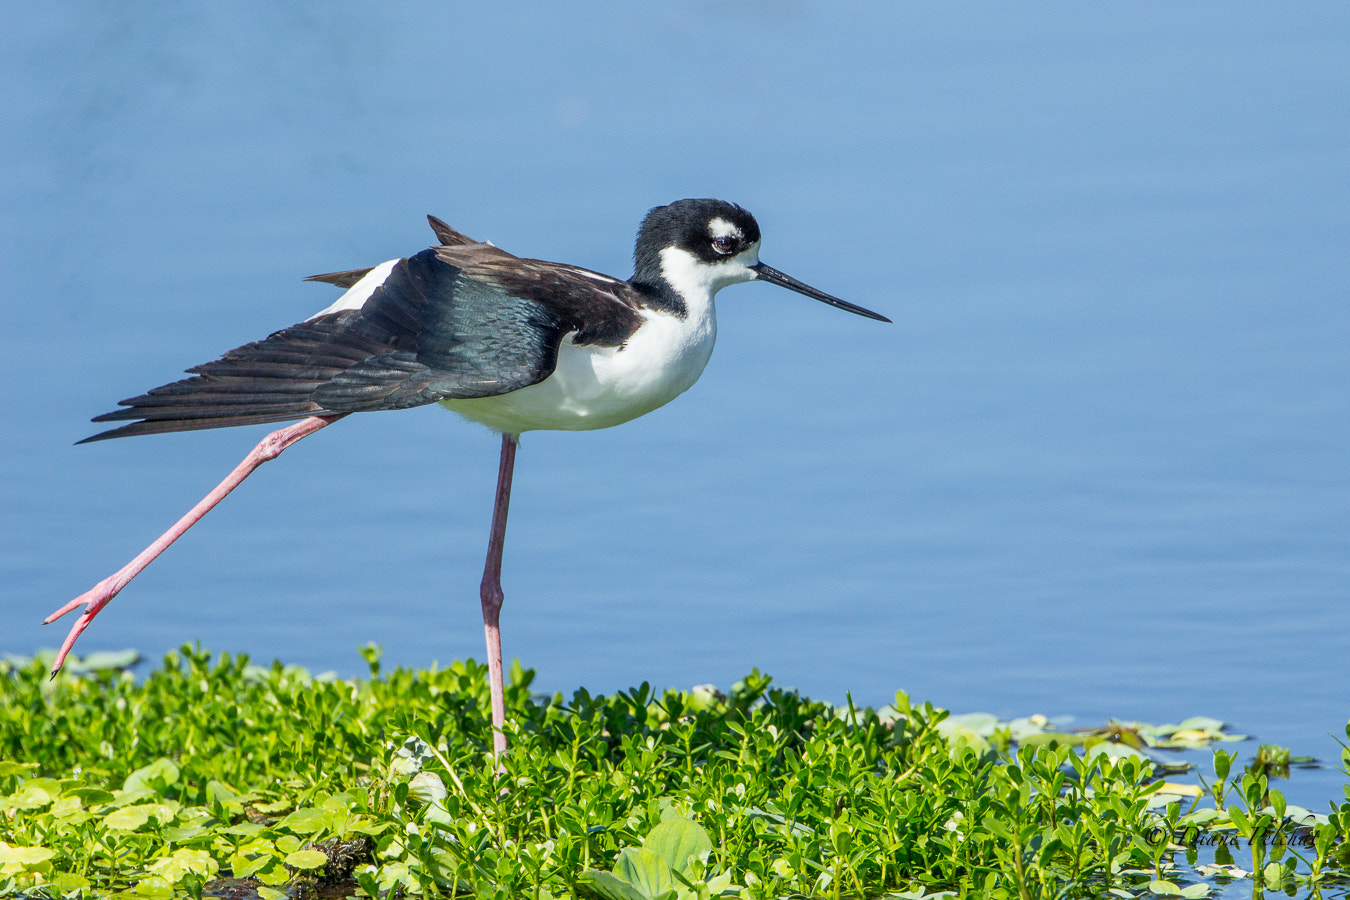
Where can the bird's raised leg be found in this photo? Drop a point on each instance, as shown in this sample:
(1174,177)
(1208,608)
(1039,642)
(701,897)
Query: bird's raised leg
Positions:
(491,593)
(98,596)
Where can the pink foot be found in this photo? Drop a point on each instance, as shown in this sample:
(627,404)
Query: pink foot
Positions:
(97,597)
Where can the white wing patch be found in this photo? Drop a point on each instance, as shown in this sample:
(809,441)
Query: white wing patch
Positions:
(356,296)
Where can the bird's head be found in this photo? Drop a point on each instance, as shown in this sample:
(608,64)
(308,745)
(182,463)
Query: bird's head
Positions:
(697,247)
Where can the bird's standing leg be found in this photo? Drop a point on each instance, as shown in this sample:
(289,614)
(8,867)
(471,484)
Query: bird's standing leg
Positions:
(491,593)
(100,594)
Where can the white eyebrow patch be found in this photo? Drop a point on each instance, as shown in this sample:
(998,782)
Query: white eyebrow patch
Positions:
(720,227)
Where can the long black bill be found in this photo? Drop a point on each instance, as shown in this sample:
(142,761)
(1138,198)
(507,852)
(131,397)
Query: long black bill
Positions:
(773,276)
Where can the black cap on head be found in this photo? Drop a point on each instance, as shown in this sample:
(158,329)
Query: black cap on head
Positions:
(685,224)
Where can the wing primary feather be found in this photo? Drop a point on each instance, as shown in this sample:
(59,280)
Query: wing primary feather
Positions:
(344,279)
(448,236)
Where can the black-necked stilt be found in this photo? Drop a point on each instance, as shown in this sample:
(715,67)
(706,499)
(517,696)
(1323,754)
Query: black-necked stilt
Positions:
(516,344)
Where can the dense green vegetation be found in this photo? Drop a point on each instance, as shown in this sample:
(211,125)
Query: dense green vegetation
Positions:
(209,768)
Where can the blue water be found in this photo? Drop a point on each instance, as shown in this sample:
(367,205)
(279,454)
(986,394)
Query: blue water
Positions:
(1100,466)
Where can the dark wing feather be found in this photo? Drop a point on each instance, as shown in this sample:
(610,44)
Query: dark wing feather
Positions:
(460,321)
(448,237)
(272,380)
(344,279)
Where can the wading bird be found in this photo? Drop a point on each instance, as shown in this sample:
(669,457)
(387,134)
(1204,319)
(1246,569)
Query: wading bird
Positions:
(515,344)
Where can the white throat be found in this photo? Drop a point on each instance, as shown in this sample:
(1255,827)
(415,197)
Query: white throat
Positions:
(697,281)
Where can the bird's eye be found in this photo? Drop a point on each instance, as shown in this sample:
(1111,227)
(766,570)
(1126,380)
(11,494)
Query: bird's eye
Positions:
(724,243)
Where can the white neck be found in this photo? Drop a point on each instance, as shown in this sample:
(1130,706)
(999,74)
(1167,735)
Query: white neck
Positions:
(697,281)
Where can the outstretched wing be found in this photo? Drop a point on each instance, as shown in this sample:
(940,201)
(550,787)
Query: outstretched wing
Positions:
(454,322)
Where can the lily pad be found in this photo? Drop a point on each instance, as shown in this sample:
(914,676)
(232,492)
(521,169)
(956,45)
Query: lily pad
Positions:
(983,724)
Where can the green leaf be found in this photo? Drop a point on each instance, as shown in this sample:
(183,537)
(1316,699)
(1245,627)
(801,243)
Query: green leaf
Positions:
(128,818)
(157,777)
(676,841)
(1277,805)
(366,878)
(367,827)
(607,887)
(155,888)
(645,871)
(175,834)
(244,829)
(218,791)
(91,796)
(30,796)
(174,867)
(1112,750)
(427,787)
(306,859)
(274,875)
(20,858)
(252,858)
(69,883)
(305,821)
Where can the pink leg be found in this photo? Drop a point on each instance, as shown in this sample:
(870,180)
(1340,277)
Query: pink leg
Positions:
(98,597)
(491,593)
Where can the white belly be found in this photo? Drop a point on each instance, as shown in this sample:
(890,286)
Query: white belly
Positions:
(597,387)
